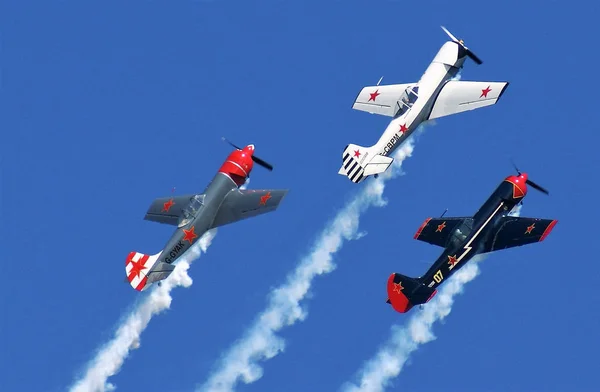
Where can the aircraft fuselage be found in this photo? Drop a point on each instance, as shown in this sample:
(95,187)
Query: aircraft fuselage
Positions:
(446,64)
(469,237)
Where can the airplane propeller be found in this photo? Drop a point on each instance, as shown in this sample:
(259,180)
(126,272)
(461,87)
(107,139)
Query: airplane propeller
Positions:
(256,159)
(531,183)
(461,43)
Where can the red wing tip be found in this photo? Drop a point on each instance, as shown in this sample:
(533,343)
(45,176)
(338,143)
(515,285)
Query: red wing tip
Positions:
(548,229)
(418,233)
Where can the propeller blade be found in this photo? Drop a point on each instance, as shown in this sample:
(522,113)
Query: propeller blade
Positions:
(453,38)
(233,145)
(262,163)
(536,186)
(474,58)
(515,166)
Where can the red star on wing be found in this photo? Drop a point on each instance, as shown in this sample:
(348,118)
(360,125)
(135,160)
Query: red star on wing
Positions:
(485,92)
(373,96)
(398,287)
(452,260)
(264,198)
(137,267)
(167,206)
(530,228)
(403,128)
(356,153)
(441,227)
(189,235)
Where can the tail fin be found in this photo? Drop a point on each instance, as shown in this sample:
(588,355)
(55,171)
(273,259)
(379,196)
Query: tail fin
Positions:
(141,272)
(360,162)
(404,292)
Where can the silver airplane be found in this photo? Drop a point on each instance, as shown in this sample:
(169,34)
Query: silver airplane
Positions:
(222,202)
(434,95)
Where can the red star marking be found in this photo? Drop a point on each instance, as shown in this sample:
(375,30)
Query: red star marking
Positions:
(452,260)
(530,228)
(398,287)
(373,96)
(485,92)
(357,153)
(264,198)
(403,128)
(441,227)
(189,234)
(137,267)
(168,205)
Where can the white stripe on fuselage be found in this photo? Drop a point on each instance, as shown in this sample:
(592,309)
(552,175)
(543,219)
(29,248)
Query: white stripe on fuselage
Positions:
(468,246)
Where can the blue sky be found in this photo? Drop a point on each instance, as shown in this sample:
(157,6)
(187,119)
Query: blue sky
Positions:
(106,106)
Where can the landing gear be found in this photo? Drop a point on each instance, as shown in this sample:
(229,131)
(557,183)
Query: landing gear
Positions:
(376,175)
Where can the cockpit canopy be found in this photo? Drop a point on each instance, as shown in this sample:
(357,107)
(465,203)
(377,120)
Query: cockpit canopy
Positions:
(192,210)
(407,100)
(461,232)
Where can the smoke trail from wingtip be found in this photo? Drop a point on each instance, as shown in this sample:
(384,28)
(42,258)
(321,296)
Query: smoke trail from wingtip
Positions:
(110,357)
(388,362)
(260,341)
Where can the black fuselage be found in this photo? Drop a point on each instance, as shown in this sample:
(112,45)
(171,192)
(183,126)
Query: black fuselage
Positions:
(468,238)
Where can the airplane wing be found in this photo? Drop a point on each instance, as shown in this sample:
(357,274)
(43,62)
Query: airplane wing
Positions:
(381,100)
(167,209)
(459,96)
(516,231)
(437,231)
(242,204)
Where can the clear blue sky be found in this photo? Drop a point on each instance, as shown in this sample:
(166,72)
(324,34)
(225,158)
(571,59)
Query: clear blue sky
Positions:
(108,105)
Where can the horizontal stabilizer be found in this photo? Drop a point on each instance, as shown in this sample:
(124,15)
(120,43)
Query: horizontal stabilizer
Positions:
(459,96)
(405,292)
(377,165)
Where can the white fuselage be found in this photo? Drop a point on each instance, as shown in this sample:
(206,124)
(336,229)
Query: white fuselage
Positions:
(444,67)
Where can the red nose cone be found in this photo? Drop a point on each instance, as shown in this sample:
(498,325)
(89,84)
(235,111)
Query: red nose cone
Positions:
(519,184)
(238,165)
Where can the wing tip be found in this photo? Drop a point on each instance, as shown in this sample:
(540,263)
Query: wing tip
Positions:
(420,229)
(548,229)
(502,92)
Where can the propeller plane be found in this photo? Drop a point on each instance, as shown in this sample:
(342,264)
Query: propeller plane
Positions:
(221,203)
(490,229)
(434,95)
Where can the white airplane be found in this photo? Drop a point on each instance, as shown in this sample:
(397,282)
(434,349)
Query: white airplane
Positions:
(434,95)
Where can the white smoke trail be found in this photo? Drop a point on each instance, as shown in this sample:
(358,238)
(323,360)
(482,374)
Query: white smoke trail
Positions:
(110,357)
(260,341)
(388,362)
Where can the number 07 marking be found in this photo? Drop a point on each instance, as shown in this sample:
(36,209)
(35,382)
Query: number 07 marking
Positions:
(438,276)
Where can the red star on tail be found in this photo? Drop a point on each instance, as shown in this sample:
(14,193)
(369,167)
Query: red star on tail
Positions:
(356,153)
(137,267)
(398,287)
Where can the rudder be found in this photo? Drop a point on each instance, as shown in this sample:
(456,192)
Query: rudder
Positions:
(137,268)
(405,292)
(360,162)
